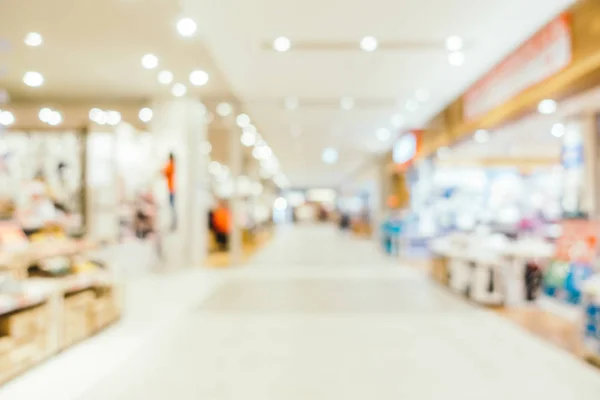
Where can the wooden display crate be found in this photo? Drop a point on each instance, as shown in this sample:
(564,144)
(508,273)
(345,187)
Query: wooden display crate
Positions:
(77,318)
(23,340)
(105,310)
(23,325)
(6,366)
(439,270)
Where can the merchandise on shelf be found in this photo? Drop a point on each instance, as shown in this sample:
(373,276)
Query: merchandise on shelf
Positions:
(51,296)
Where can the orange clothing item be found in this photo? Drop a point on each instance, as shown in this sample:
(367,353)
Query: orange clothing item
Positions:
(169,173)
(222,220)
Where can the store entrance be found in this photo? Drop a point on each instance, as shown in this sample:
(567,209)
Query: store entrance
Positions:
(505,211)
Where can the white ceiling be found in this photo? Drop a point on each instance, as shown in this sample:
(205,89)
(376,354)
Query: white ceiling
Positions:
(93,49)
(414,32)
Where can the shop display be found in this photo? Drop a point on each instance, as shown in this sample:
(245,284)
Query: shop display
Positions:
(490,268)
(39,168)
(591,306)
(574,262)
(51,296)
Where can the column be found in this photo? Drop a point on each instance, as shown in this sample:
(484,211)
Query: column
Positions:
(236,167)
(179,127)
(198,182)
(383,190)
(580,163)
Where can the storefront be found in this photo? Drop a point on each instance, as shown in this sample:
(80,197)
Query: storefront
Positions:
(507,191)
(54,290)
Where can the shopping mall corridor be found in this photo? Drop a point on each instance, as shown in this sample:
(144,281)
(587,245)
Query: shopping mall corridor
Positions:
(316,315)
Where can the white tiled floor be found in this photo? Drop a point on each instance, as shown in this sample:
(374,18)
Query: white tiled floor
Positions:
(316,315)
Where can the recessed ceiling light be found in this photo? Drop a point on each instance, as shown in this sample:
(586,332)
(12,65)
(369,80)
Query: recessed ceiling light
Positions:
(242,120)
(44,114)
(224,109)
(186,27)
(248,139)
(50,116)
(33,79)
(150,61)
(165,77)
(206,147)
(422,95)
(145,114)
(55,118)
(558,130)
(270,164)
(397,120)
(33,39)
(179,90)
(292,103)
(482,136)
(369,43)
(347,103)
(456,59)
(330,155)
(261,151)
(282,44)
(6,118)
(547,107)
(199,78)
(411,105)
(113,117)
(98,116)
(454,43)
(383,134)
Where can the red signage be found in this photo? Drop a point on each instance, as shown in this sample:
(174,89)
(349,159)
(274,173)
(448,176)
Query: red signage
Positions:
(578,242)
(545,54)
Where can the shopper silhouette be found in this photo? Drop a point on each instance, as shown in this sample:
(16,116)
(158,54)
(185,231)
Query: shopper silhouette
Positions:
(169,174)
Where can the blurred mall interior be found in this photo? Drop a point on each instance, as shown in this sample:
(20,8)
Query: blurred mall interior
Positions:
(294,200)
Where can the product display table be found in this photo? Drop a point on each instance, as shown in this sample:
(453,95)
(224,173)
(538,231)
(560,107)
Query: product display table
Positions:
(31,295)
(490,269)
(40,316)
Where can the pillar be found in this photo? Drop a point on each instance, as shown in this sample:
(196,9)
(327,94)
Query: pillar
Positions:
(179,126)
(236,202)
(580,164)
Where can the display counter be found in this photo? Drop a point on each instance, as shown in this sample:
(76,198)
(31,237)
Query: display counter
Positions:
(488,269)
(494,271)
(41,316)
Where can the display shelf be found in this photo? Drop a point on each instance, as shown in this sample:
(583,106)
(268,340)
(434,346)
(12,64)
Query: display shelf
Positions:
(82,281)
(53,313)
(57,248)
(10,303)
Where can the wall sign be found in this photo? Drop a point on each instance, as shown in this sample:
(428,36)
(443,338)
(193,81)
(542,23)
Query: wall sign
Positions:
(406,149)
(542,56)
(572,157)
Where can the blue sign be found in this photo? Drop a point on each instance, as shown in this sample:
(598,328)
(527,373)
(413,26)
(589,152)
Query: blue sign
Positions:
(572,157)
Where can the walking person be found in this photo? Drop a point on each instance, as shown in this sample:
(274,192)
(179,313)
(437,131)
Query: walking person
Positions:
(169,174)
(222,225)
